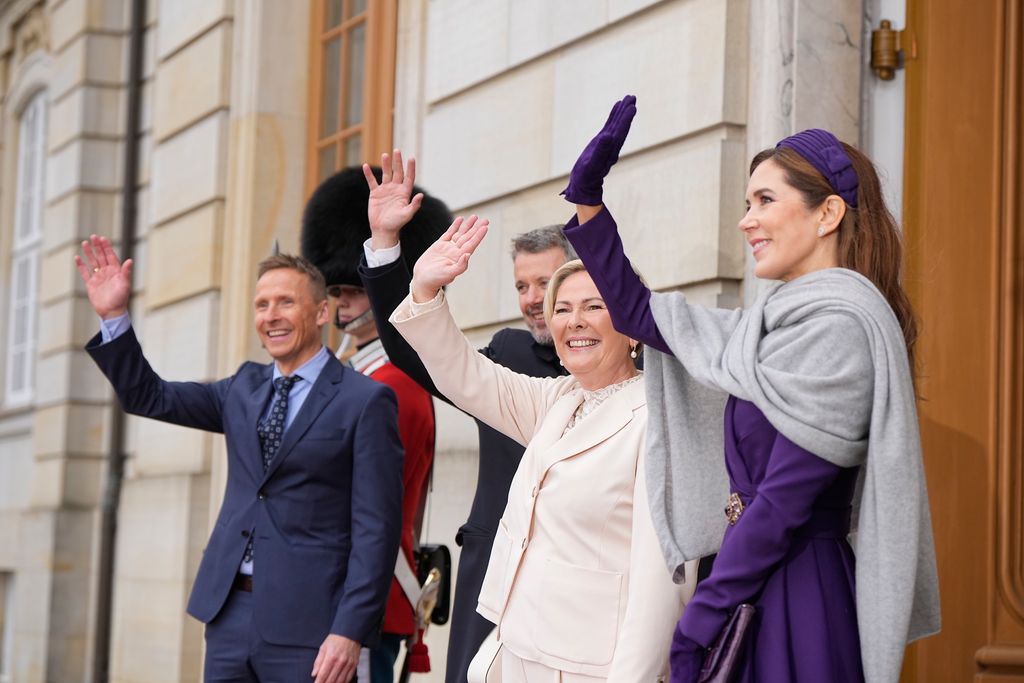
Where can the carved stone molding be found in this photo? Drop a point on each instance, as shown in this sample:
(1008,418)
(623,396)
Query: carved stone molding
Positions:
(31,33)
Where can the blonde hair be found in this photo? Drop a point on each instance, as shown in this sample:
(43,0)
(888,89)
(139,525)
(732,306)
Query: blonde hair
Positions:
(559,277)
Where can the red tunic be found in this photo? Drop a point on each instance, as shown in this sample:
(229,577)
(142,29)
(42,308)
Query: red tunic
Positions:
(416,429)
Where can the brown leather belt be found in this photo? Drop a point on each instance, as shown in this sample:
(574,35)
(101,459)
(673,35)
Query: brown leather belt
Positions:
(243,582)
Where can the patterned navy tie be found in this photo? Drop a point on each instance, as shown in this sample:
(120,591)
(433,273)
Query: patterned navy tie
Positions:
(271,432)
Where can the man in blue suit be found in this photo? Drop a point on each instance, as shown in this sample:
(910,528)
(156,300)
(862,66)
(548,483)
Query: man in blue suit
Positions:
(296,573)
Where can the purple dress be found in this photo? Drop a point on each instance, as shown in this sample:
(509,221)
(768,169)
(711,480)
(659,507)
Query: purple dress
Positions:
(787,554)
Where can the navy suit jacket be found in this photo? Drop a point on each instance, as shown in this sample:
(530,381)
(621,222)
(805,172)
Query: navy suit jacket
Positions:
(327,512)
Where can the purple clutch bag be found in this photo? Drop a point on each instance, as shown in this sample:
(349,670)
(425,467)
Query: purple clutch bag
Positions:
(720,661)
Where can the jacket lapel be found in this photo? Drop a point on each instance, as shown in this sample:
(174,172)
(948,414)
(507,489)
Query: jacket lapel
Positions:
(257,395)
(610,417)
(320,394)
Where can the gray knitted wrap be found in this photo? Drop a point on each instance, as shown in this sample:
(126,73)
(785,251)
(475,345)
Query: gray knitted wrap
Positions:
(823,357)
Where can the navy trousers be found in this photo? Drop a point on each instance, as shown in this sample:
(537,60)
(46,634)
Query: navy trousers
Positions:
(235,652)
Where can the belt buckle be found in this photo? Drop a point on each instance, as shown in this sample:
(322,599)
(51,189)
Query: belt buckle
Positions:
(734,508)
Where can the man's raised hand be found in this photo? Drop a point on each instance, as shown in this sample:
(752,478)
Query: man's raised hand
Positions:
(391,203)
(107,280)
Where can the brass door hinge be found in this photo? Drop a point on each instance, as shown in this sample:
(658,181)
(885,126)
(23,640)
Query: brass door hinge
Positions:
(890,49)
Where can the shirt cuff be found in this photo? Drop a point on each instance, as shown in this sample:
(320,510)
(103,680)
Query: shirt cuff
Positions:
(381,257)
(114,328)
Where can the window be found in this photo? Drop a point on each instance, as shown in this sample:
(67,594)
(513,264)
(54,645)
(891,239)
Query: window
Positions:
(353,77)
(25,254)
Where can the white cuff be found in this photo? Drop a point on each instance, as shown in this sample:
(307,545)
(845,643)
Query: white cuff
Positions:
(381,257)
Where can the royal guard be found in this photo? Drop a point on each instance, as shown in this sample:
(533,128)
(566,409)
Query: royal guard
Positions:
(334,229)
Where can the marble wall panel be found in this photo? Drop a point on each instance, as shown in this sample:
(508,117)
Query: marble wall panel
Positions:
(188,170)
(181,21)
(186,255)
(193,82)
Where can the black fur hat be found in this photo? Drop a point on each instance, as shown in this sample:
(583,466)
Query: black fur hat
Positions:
(334,226)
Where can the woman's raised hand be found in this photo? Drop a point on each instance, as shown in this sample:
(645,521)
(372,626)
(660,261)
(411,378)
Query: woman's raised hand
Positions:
(107,280)
(447,258)
(391,203)
(587,177)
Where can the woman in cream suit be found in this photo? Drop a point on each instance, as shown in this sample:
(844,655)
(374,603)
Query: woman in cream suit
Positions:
(576,583)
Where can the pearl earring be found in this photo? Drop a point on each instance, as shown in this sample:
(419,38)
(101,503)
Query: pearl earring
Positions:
(632,351)
(821,231)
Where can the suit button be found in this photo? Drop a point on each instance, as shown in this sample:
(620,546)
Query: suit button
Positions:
(245,533)
(261,495)
(533,493)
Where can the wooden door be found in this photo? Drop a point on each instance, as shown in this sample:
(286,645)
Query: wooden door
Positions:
(963,211)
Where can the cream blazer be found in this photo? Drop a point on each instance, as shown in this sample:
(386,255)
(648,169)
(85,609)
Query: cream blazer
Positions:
(576,579)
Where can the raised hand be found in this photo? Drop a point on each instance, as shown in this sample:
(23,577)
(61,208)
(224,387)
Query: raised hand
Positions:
(107,280)
(587,177)
(447,258)
(391,203)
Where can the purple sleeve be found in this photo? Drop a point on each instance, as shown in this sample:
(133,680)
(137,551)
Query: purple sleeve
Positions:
(752,549)
(626,296)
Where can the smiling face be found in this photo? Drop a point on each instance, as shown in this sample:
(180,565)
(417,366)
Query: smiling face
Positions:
(584,337)
(783,231)
(532,272)
(288,319)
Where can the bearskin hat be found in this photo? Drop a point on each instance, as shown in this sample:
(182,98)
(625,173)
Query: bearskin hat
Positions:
(334,226)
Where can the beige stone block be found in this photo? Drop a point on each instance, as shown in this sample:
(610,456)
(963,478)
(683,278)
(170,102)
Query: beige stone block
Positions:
(149,49)
(189,169)
(85,479)
(194,82)
(95,58)
(181,339)
(189,254)
(145,152)
(677,75)
(146,108)
(538,26)
(74,216)
(479,125)
(617,9)
(156,521)
(65,324)
(16,465)
(457,28)
(10,528)
(147,642)
(183,21)
(163,449)
(69,375)
(72,17)
(72,429)
(92,164)
(59,279)
(47,483)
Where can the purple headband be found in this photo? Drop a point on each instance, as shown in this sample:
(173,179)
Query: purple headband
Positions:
(823,151)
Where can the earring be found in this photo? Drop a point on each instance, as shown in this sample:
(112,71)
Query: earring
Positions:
(632,351)
(821,231)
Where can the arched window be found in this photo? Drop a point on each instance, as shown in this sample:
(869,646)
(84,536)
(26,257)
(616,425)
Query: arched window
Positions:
(352,84)
(25,253)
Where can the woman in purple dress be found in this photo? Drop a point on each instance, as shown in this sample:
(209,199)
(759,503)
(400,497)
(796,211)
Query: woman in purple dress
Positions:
(818,394)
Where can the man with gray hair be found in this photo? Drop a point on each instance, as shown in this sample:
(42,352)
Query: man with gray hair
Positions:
(535,256)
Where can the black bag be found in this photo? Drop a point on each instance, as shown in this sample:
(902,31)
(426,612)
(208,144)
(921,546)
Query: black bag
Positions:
(440,558)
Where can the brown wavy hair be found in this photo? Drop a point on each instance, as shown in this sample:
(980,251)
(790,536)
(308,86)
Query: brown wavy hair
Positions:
(869,238)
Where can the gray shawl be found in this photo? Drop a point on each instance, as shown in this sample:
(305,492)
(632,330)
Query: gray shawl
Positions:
(823,357)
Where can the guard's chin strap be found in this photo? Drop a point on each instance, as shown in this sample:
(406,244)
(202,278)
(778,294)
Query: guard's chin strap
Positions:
(356,322)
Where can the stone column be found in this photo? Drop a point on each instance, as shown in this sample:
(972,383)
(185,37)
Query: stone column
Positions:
(805,72)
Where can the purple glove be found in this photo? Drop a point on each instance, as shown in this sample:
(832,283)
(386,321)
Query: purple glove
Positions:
(600,155)
(686,657)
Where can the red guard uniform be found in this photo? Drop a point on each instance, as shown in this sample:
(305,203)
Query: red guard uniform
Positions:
(416,429)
